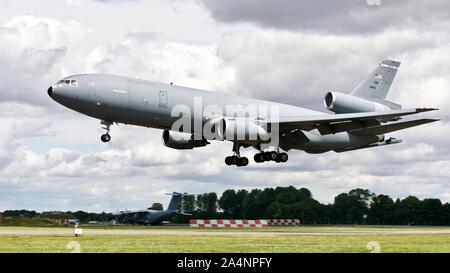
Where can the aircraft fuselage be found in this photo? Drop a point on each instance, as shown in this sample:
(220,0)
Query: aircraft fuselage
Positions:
(150,104)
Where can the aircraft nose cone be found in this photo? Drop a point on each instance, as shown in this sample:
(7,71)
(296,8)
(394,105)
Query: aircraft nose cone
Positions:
(50,91)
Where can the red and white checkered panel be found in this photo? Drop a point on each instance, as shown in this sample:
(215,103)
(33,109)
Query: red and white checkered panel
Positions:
(284,222)
(216,223)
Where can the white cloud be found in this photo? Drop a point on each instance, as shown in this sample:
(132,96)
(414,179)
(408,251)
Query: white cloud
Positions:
(73,2)
(138,56)
(335,17)
(33,50)
(303,67)
(18,121)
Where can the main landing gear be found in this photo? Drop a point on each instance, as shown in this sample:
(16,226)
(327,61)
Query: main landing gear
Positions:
(271,156)
(236,159)
(106,126)
(239,161)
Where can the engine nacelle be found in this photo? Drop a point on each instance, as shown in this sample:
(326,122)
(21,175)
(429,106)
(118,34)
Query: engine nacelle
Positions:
(342,103)
(240,129)
(181,141)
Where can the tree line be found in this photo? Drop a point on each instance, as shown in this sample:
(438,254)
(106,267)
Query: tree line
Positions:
(358,206)
(82,216)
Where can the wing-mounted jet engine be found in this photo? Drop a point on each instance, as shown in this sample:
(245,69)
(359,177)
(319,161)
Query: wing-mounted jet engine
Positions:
(181,141)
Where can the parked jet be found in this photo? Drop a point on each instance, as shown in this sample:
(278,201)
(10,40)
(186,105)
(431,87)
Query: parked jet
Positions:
(192,118)
(153,217)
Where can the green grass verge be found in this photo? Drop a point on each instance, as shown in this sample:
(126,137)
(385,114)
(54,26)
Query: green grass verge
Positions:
(26,222)
(226,243)
(234,243)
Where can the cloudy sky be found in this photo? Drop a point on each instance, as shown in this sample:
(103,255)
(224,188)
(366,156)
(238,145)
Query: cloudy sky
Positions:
(286,51)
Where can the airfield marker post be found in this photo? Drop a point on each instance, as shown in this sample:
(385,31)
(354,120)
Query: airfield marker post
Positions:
(77,231)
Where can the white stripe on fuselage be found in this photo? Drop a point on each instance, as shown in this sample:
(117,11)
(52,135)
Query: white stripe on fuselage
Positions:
(120,91)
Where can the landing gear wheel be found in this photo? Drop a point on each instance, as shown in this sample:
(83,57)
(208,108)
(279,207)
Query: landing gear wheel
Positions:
(234,160)
(228,160)
(259,157)
(273,156)
(278,159)
(243,161)
(284,157)
(106,125)
(256,158)
(105,138)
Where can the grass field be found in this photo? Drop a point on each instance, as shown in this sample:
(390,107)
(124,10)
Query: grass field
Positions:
(347,241)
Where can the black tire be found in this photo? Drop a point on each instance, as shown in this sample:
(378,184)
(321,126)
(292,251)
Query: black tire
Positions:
(228,160)
(239,163)
(105,138)
(234,160)
(267,156)
(243,161)
(284,157)
(278,159)
(259,158)
(273,156)
(256,158)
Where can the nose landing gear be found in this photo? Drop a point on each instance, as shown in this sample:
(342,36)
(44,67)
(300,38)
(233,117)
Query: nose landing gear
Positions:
(106,126)
(105,138)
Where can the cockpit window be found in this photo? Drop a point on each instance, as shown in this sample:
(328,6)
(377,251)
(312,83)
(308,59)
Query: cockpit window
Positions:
(68,82)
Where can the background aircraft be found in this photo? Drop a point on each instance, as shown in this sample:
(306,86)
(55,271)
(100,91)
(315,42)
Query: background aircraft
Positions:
(360,120)
(153,217)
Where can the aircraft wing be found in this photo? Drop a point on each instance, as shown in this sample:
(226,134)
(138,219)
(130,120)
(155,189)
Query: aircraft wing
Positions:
(331,124)
(387,128)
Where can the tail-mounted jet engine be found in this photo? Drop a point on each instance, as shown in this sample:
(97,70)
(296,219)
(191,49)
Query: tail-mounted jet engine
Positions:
(342,103)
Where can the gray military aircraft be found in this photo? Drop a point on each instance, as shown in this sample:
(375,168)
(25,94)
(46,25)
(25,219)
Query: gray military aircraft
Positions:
(153,217)
(191,118)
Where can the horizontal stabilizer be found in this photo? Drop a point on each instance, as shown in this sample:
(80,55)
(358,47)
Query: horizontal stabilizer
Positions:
(184,213)
(387,128)
(384,143)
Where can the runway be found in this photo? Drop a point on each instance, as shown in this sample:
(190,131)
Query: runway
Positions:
(193,232)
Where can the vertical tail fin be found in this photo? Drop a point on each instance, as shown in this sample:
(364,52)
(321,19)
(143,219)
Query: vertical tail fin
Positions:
(377,85)
(175,202)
